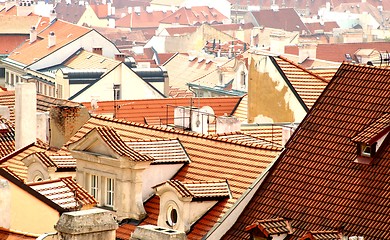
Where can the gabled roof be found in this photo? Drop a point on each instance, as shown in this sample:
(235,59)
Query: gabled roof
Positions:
(138,110)
(212,158)
(65,192)
(270,227)
(287,19)
(69,12)
(375,130)
(307,85)
(65,33)
(246,138)
(9,42)
(55,159)
(114,141)
(91,61)
(14,160)
(195,15)
(162,151)
(336,52)
(142,19)
(16,181)
(315,182)
(326,27)
(200,190)
(101,10)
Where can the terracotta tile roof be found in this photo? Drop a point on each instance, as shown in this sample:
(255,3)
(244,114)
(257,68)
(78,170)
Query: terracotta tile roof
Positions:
(53,159)
(6,234)
(142,20)
(122,37)
(375,130)
(246,138)
(233,26)
(326,27)
(138,110)
(180,93)
(101,10)
(322,235)
(6,168)
(44,103)
(69,12)
(212,158)
(14,160)
(64,32)
(315,182)
(114,141)
(12,11)
(65,192)
(118,4)
(241,111)
(195,15)
(164,57)
(287,19)
(93,61)
(7,137)
(175,31)
(162,151)
(271,226)
(308,85)
(200,190)
(9,42)
(18,24)
(183,69)
(337,51)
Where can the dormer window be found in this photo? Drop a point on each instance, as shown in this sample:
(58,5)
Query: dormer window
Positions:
(172,216)
(370,140)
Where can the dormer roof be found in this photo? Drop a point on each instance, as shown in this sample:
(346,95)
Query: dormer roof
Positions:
(270,227)
(65,192)
(163,151)
(200,190)
(374,131)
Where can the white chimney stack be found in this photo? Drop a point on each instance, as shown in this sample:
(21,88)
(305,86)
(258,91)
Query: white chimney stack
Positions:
(51,39)
(25,114)
(33,34)
(53,15)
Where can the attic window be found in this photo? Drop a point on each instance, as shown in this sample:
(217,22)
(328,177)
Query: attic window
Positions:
(172,216)
(367,150)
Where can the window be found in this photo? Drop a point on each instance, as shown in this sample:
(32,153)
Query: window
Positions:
(243,75)
(94,186)
(59,91)
(110,192)
(117,91)
(172,216)
(7,77)
(367,150)
(12,79)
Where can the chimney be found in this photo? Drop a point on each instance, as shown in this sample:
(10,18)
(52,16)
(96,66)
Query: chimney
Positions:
(5,204)
(109,13)
(307,50)
(51,40)
(43,126)
(93,223)
(25,114)
(98,50)
(277,42)
(228,124)
(120,57)
(65,121)
(33,34)
(147,232)
(53,15)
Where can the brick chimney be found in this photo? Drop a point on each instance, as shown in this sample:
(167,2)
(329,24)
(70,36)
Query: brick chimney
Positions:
(51,40)
(87,224)
(97,50)
(120,57)
(33,34)
(25,114)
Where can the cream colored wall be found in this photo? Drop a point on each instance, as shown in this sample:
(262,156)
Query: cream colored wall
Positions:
(28,214)
(132,87)
(269,97)
(89,17)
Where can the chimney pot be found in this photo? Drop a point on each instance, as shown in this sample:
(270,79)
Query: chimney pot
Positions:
(120,57)
(97,50)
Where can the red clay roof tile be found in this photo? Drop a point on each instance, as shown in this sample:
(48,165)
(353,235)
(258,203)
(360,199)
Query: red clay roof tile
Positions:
(195,15)
(315,181)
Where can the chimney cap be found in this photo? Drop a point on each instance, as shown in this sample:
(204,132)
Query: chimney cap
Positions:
(51,33)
